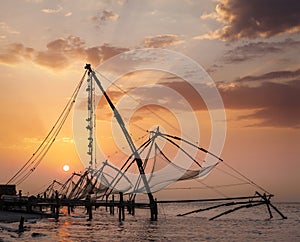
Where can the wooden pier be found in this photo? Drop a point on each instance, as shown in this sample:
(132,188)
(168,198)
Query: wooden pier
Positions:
(52,206)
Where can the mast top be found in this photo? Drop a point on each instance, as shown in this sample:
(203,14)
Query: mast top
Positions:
(88,67)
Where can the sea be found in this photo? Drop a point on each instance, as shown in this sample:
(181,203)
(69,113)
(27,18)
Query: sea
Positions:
(248,224)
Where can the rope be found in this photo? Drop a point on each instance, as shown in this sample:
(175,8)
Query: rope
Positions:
(248,179)
(138,102)
(212,188)
(46,144)
(201,188)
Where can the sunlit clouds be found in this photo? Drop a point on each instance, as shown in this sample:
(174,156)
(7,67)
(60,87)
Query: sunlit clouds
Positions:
(60,53)
(51,10)
(161,41)
(253,19)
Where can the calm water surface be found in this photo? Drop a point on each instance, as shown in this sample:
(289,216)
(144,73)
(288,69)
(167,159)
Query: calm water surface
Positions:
(244,225)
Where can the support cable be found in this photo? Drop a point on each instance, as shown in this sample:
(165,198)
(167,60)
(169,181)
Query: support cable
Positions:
(137,101)
(61,119)
(248,179)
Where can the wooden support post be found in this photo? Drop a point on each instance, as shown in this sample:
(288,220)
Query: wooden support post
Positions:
(90,213)
(121,208)
(276,209)
(56,212)
(21,225)
(120,213)
(269,204)
(110,207)
(69,209)
(106,200)
(133,207)
(113,205)
(267,200)
(28,207)
(89,207)
(153,210)
(129,206)
(56,206)
(52,208)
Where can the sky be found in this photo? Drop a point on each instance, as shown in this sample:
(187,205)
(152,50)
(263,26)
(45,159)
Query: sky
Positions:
(250,49)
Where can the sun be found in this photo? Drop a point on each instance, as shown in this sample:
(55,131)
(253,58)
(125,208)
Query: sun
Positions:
(66,167)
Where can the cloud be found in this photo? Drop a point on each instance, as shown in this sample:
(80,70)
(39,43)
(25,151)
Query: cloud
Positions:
(68,14)
(103,16)
(273,104)
(14,53)
(161,41)
(273,101)
(274,117)
(157,93)
(259,49)
(96,55)
(51,10)
(271,76)
(60,53)
(267,94)
(6,29)
(253,19)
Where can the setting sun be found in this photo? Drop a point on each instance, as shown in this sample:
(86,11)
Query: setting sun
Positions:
(66,167)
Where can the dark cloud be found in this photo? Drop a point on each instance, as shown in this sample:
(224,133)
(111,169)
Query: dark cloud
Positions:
(157,94)
(161,41)
(266,95)
(259,49)
(274,117)
(255,18)
(271,76)
(273,103)
(60,53)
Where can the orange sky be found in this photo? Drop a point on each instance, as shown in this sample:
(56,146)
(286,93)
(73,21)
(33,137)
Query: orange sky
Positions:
(251,51)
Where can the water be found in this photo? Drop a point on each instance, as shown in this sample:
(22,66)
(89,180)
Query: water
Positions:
(244,225)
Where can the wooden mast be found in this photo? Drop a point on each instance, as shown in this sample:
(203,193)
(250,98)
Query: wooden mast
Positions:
(138,160)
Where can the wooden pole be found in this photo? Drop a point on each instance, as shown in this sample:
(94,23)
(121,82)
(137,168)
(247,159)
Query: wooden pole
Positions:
(69,209)
(89,207)
(90,212)
(21,225)
(106,200)
(267,200)
(121,208)
(56,206)
(113,205)
(133,207)
(155,210)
